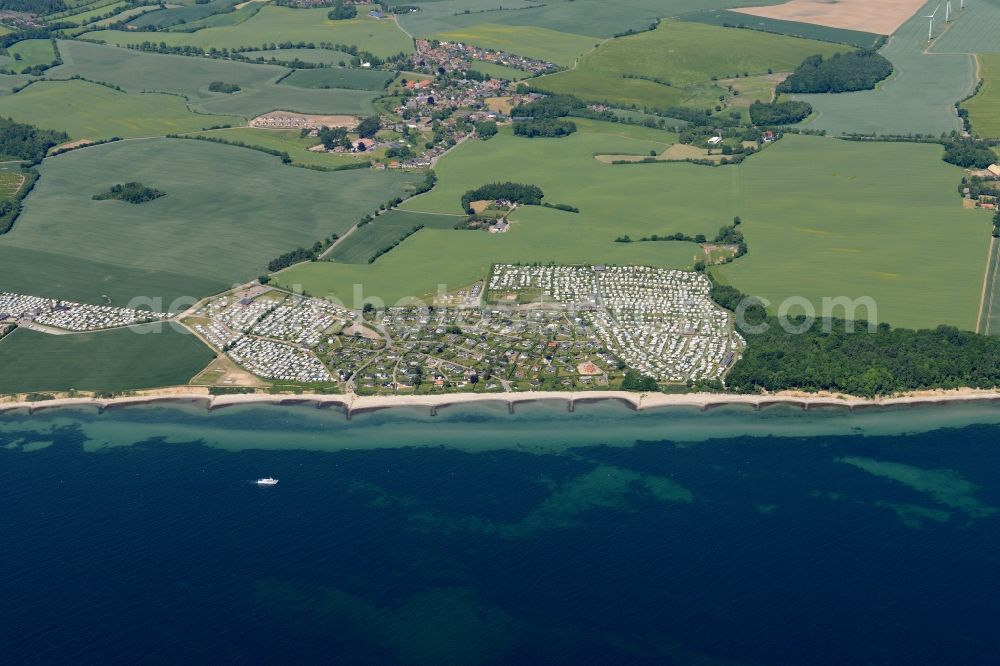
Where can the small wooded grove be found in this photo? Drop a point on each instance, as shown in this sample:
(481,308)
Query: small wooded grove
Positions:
(552,106)
(843,72)
(828,356)
(133,193)
(779,113)
(223,87)
(968,152)
(513,192)
(27,142)
(549,127)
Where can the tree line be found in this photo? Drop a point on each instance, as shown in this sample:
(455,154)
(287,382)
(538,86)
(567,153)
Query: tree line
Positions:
(387,248)
(841,356)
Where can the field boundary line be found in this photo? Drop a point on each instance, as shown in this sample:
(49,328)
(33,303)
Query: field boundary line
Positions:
(991,285)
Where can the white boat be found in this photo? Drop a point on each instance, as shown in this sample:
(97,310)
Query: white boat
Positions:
(266,481)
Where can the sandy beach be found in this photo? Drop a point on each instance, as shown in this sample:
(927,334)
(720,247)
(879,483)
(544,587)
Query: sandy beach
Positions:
(355,404)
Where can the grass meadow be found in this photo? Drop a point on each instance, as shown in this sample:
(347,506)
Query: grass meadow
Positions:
(613,199)
(135,71)
(87,110)
(117,360)
(274,24)
(619,71)
(827,218)
(822,217)
(30,52)
(594,18)
(919,97)
(226,213)
(455,259)
(984,108)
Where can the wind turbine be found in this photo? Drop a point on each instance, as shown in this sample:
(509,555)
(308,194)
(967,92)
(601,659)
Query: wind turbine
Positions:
(930,27)
(947,12)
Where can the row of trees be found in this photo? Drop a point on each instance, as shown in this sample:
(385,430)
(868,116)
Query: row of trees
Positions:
(843,72)
(387,248)
(38,7)
(728,235)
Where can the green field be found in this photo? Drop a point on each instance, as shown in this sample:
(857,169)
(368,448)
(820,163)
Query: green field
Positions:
(30,52)
(919,97)
(279,24)
(595,18)
(529,41)
(973,30)
(321,56)
(122,16)
(136,71)
(93,11)
(335,77)
(826,218)
(454,259)
(723,17)
(87,110)
(989,318)
(822,218)
(681,54)
(362,244)
(183,13)
(118,360)
(290,142)
(226,213)
(636,200)
(984,108)
(221,19)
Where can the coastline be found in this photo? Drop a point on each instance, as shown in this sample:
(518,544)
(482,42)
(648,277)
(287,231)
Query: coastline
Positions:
(356,404)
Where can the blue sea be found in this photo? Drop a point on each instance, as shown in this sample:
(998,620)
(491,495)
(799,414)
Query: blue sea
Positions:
(606,536)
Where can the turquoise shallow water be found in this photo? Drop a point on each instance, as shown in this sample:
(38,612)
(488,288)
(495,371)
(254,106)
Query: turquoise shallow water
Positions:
(476,536)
